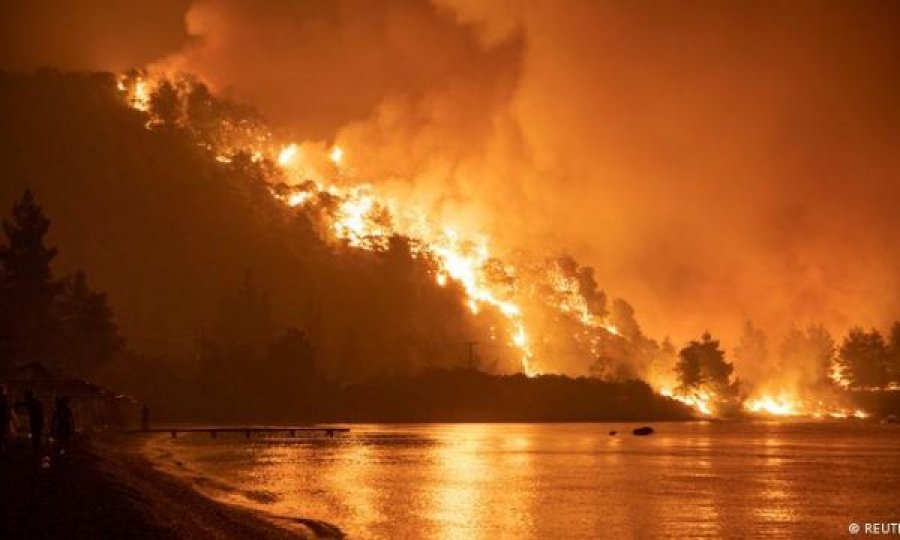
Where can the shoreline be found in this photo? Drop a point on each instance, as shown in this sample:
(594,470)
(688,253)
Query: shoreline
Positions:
(107,488)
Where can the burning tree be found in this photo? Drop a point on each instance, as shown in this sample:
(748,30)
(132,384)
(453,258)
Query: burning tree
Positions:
(702,371)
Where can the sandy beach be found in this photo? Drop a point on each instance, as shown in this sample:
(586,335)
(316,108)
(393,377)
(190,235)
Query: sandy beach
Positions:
(108,489)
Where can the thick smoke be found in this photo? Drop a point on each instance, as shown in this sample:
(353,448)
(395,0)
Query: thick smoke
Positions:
(89,34)
(713,162)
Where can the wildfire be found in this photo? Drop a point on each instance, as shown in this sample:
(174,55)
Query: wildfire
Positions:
(787,404)
(572,301)
(780,406)
(287,155)
(699,400)
(136,90)
(365,219)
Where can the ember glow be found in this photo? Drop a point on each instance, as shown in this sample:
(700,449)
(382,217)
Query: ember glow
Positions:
(136,90)
(778,406)
(787,404)
(700,400)
(336,155)
(287,154)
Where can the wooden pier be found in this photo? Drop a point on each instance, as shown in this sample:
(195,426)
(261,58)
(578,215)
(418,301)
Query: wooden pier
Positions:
(214,431)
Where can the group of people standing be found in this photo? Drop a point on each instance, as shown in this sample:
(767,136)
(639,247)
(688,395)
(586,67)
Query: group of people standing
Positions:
(62,425)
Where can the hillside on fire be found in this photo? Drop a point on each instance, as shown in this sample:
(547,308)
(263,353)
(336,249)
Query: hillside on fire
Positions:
(226,297)
(245,277)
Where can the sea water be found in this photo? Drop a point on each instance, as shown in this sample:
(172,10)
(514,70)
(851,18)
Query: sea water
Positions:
(693,479)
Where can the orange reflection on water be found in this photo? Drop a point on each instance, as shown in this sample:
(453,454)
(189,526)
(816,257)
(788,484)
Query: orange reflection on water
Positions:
(462,472)
(709,479)
(353,477)
(777,495)
(472,499)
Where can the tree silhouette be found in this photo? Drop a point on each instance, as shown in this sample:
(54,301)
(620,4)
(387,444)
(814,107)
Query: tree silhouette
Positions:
(822,349)
(863,359)
(893,354)
(62,323)
(90,338)
(26,283)
(702,366)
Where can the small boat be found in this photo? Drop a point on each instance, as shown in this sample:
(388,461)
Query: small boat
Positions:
(646,430)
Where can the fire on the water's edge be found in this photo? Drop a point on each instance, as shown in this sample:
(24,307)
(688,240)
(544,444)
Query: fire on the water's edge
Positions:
(367,220)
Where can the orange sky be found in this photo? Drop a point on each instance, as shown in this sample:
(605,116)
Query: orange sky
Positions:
(715,162)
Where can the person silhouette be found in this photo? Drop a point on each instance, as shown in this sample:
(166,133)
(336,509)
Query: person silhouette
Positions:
(63,426)
(35,420)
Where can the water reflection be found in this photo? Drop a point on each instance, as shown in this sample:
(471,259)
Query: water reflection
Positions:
(564,480)
(351,473)
(778,497)
(462,473)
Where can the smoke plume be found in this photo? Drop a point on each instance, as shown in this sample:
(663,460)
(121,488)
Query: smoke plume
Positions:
(713,162)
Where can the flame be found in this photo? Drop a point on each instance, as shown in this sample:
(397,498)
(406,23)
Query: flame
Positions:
(699,400)
(298,198)
(573,302)
(141,95)
(362,219)
(136,90)
(286,155)
(336,155)
(790,404)
(780,406)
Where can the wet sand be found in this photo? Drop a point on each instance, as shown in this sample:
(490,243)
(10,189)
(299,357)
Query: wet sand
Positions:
(108,489)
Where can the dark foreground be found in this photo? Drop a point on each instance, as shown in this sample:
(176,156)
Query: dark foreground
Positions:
(107,490)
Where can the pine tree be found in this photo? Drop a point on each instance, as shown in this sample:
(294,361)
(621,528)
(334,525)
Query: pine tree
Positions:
(702,365)
(27,286)
(60,323)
